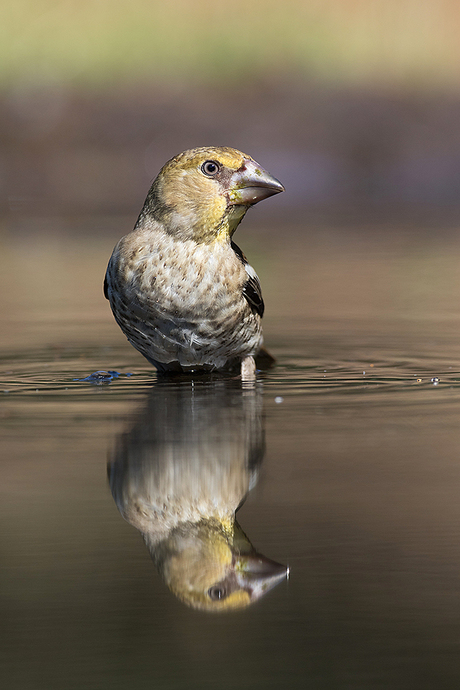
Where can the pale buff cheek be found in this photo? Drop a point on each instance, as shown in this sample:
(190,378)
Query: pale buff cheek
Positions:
(186,187)
(197,202)
(212,211)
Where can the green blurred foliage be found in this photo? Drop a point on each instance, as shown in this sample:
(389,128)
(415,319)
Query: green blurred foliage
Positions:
(110,42)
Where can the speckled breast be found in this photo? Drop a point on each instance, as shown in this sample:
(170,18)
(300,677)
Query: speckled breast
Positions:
(181,304)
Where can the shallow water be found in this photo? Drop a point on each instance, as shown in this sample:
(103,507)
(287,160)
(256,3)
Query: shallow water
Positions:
(357,490)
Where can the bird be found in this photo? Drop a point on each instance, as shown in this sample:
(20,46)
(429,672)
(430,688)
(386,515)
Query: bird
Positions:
(180,289)
(179,474)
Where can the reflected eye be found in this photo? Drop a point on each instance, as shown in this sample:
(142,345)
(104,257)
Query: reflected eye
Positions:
(217,592)
(210,168)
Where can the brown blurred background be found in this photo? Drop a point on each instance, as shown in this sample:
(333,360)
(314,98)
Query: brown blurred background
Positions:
(353,104)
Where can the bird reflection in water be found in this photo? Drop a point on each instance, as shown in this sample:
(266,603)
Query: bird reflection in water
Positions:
(179,476)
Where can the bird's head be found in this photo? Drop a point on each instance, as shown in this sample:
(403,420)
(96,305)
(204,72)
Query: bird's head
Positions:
(203,193)
(215,568)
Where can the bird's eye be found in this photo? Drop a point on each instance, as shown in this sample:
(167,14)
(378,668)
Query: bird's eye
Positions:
(210,168)
(217,592)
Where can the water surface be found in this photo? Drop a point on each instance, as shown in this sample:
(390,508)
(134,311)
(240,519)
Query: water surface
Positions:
(357,474)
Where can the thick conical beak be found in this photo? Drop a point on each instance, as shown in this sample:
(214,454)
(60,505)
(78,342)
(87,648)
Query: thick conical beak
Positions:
(251,183)
(257,574)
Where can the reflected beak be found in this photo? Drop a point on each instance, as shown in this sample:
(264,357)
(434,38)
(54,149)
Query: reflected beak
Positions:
(251,183)
(257,574)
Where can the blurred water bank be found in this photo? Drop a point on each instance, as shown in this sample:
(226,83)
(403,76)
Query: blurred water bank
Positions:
(387,153)
(353,104)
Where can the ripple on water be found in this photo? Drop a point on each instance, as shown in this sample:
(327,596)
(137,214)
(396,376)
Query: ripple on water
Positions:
(78,372)
(55,368)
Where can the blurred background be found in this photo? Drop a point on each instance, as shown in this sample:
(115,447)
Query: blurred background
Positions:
(353,104)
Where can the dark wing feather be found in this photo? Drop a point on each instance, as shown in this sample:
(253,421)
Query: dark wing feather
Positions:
(253,294)
(251,289)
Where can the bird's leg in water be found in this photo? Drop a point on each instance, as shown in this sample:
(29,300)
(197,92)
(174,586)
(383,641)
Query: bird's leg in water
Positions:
(248,369)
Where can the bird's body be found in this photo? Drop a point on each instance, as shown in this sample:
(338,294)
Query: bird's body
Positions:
(179,288)
(173,309)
